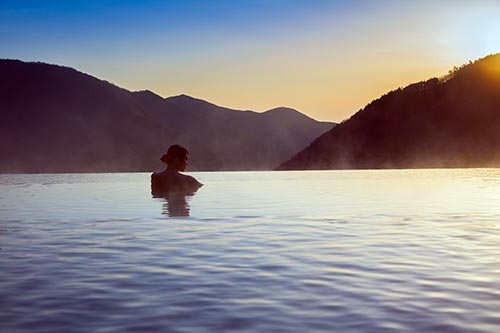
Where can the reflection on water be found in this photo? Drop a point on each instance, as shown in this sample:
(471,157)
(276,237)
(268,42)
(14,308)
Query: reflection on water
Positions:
(176,204)
(329,251)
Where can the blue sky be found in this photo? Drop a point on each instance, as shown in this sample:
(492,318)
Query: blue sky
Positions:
(325,58)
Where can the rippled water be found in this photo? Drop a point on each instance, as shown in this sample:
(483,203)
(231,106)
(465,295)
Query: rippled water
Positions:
(346,251)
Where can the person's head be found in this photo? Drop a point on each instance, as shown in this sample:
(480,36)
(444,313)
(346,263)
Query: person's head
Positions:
(176,158)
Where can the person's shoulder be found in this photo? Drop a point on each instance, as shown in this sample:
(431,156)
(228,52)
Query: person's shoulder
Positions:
(157,176)
(154,176)
(192,181)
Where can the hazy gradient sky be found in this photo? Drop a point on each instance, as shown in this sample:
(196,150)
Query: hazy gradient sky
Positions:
(325,58)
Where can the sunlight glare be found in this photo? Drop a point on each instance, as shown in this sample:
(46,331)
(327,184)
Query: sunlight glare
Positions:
(479,34)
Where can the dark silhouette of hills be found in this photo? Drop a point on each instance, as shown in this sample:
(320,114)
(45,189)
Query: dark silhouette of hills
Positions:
(453,121)
(57,119)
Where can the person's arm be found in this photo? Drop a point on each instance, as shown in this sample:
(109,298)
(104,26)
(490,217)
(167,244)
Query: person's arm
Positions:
(197,183)
(154,185)
(193,183)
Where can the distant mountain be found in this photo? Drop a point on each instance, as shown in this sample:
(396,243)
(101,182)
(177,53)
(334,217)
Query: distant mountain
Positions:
(453,121)
(56,119)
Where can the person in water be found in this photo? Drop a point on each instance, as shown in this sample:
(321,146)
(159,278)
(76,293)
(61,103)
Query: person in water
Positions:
(171,180)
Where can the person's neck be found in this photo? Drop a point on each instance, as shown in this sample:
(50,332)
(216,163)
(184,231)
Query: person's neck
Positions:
(172,169)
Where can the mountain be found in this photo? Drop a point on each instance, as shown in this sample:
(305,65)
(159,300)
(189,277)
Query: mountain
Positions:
(452,121)
(57,119)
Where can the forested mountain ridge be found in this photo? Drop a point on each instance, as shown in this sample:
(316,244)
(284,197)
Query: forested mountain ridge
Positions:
(57,119)
(452,121)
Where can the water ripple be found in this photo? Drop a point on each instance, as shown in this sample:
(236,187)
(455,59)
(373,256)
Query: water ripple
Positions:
(78,257)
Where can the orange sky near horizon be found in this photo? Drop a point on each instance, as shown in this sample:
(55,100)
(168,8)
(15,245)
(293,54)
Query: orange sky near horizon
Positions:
(334,66)
(327,60)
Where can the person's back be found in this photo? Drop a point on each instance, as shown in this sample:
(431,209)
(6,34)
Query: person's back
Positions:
(171,180)
(166,181)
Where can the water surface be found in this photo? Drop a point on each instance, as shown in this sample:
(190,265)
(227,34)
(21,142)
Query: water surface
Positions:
(347,251)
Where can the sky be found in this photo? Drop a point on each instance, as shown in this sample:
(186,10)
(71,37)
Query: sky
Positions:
(325,58)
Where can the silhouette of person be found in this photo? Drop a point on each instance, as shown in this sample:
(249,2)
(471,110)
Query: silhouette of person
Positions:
(171,180)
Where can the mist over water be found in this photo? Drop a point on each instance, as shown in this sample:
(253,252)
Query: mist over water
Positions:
(319,251)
